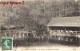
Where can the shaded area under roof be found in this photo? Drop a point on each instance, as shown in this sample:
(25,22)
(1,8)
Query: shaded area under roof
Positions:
(65,21)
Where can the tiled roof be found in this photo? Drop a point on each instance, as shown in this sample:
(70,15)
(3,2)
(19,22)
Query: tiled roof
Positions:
(65,21)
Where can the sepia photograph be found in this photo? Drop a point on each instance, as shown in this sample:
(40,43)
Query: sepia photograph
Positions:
(39,25)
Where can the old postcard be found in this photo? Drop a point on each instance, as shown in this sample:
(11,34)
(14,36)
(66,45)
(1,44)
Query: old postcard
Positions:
(39,25)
